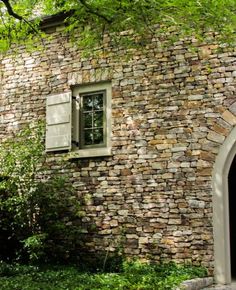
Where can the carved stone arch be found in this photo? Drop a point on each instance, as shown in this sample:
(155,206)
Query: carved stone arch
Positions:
(221,209)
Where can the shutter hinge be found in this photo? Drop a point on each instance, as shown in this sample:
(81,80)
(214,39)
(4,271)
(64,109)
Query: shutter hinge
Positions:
(76,143)
(76,98)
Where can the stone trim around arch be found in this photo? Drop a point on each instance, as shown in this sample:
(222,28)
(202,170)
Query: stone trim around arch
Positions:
(221,209)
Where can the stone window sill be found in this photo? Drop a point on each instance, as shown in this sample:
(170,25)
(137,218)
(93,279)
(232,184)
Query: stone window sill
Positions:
(92,152)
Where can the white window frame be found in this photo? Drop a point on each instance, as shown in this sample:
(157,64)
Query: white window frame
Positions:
(98,151)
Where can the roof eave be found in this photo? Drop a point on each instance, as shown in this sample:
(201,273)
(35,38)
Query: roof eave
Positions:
(54,20)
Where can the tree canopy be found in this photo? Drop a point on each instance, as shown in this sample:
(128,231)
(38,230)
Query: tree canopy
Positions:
(20,19)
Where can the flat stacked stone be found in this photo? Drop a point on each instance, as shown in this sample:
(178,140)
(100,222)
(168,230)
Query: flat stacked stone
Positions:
(172,107)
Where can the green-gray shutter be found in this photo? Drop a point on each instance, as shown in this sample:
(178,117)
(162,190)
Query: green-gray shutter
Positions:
(58,122)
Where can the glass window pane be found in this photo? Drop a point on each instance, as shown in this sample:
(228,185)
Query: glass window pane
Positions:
(88,137)
(88,120)
(92,119)
(98,119)
(98,136)
(87,103)
(98,102)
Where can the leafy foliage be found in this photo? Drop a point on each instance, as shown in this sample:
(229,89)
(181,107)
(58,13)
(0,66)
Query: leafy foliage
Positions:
(92,18)
(38,213)
(136,275)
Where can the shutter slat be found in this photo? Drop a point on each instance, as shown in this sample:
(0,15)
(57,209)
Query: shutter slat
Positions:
(58,99)
(58,122)
(58,114)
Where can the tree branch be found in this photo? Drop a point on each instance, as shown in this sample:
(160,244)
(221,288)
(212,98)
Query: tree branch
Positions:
(95,12)
(10,10)
(12,13)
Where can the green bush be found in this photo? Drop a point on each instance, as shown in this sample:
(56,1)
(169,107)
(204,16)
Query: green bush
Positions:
(38,211)
(135,276)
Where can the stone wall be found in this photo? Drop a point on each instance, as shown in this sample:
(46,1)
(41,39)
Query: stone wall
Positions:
(172,107)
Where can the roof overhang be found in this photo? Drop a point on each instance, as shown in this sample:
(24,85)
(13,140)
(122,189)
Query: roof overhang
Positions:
(54,20)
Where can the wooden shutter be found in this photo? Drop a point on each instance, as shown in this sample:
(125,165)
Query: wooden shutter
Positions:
(58,122)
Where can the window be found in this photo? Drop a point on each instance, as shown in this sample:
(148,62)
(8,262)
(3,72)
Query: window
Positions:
(92,119)
(86,113)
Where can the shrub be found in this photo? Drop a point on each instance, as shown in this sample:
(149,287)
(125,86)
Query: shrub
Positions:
(38,212)
(135,276)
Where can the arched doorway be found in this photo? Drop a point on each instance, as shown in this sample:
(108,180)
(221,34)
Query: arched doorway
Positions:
(232,216)
(221,211)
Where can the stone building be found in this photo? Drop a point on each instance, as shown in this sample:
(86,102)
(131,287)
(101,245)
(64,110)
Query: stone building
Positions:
(152,138)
